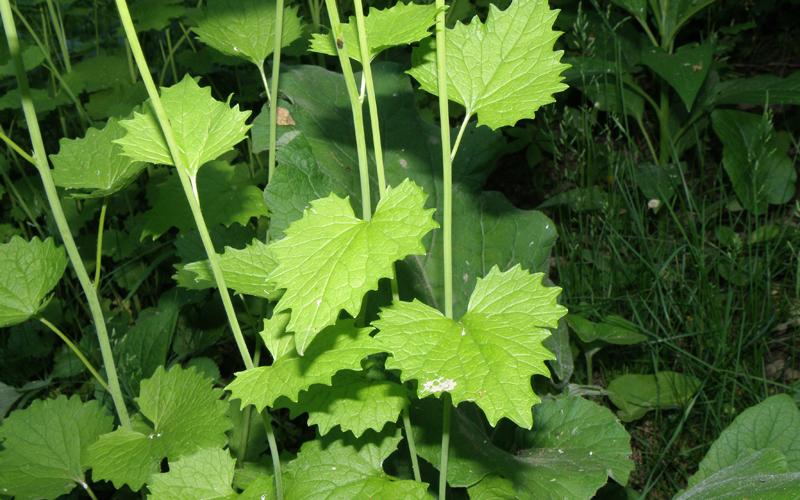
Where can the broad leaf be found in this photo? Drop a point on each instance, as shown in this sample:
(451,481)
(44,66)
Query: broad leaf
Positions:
(760,170)
(758,474)
(145,346)
(44,446)
(94,163)
(330,258)
(99,72)
(612,330)
(245,271)
(502,70)
(685,70)
(186,414)
(207,473)
(227,195)
(574,448)
(772,424)
(673,14)
(155,14)
(246,28)
(636,7)
(279,342)
(400,24)
(635,395)
(339,347)
(489,356)
(759,90)
(340,466)
(29,270)
(204,128)
(318,157)
(353,402)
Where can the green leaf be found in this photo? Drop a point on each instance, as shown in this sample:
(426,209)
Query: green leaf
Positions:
(278,341)
(29,270)
(673,14)
(574,448)
(635,395)
(489,356)
(145,346)
(612,330)
(685,70)
(636,7)
(340,466)
(227,195)
(760,170)
(155,14)
(353,402)
(246,28)
(757,474)
(606,96)
(44,446)
(772,424)
(118,101)
(204,128)
(339,347)
(759,90)
(207,473)
(245,271)
(330,258)
(400,24)
(94,163)
(491,230)
(502,70)
(99,72)
(186,414)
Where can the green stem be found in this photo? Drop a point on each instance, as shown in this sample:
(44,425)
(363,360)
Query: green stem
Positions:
(276,70)
(370,91)
(461,130)
(446,410)
(98,256)
(189,185)
(77,352)
(447,216)
(58,27)
(40,156)
(17,149)
(355,106)
(447,164)
(264,82)
(88,490)
(412,447)
(273,451)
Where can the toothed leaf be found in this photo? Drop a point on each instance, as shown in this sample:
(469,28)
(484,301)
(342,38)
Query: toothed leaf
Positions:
(29,270)
(353,402)
(207,473)
(339,347)
(489,356)
(245,271)
(94,164)
(330,258)
(44,446)
(246,28)
(401,24)
(503,70)
(204,128)
(186,414)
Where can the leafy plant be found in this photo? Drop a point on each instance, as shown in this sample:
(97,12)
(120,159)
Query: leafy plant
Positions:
(385,307)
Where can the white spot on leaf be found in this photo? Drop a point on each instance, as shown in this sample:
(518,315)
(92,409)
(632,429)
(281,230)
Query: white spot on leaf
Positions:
(438,385)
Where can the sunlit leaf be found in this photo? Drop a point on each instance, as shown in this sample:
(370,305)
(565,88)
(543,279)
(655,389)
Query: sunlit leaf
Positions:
(207,473)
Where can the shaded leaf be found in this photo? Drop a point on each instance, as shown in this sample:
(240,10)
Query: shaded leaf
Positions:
(685,70)
(339,347)
(635,395)
(94,163)
(44,446)
(208,473)
(246,28)
(29,270)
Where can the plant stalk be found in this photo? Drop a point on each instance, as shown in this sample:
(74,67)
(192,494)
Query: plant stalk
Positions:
(273,104)
(189,184)
(372,103)
(412,447)
(447,216)
(98,257)
(40,156)
(77,352)
(355,106)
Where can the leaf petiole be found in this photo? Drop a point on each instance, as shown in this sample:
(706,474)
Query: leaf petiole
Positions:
(78,354)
